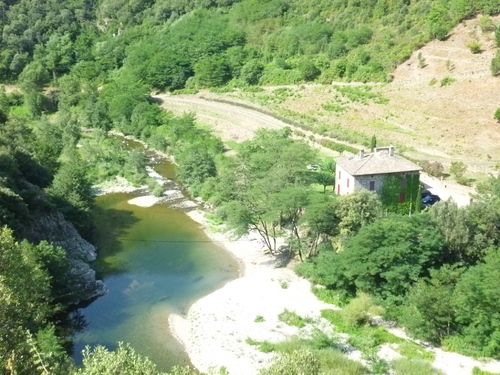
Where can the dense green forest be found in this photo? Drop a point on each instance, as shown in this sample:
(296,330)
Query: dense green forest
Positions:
(74,70)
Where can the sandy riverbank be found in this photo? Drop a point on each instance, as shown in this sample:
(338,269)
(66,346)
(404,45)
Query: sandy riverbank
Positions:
(216,327)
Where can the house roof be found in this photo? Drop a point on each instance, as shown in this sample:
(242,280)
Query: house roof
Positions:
(380,162)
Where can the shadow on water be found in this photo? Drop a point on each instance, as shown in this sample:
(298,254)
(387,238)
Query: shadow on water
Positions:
(112,225)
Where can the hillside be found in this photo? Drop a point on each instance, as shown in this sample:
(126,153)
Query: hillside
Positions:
(427,121)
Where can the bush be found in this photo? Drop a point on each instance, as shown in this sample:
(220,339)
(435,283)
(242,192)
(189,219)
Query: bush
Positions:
(434,168)
(475,47)
(496,115)
(486,24)
(446,81)
(495,65)
(458,168)
(359,310)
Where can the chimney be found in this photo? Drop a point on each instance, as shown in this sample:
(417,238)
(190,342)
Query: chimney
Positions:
(391,150)
(361,154)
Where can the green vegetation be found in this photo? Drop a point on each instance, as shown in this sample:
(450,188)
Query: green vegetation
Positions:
(475,47)
(495,64)
(292,319)
(92,65)
(496,115)
(446,81)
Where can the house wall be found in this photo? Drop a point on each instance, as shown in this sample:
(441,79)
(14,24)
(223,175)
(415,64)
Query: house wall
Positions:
(363,182)
(342,177)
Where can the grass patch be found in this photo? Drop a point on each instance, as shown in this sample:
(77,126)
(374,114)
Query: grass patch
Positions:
(405,366)
(233,145)
(259,319)
(333,107)
(333,362)
(293,319)
(329,295)
(214,219)
(335,146)
(367,338)
(361,94)
(263,346)
(478,371)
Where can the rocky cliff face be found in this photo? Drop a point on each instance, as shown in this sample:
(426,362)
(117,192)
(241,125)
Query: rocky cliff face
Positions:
(55,229)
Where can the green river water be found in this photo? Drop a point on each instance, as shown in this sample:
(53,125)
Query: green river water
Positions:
(155,261)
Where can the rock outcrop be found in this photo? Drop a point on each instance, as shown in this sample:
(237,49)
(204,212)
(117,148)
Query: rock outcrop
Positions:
(56,229)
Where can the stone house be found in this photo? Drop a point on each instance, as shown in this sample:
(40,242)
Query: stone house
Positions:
(395,179)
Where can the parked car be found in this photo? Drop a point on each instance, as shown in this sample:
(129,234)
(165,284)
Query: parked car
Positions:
(428,199)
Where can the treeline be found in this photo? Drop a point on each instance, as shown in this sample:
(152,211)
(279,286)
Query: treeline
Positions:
(192,44)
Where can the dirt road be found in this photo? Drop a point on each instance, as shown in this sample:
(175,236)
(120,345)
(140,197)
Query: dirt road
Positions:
(235,121)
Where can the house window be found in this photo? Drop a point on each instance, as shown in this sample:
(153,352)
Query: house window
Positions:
(338,189)
(339,174)
(402,197)
(372,185)
(403,182)
(347,182)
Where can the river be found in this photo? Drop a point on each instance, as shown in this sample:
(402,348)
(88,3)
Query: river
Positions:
(155,261)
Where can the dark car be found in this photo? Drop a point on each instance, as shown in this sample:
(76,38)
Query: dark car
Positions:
(429,199)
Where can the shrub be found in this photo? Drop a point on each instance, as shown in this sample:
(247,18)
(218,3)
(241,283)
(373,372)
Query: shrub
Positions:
(486,24)
(432,82)
(496,115)
(458,168)
(358,311)
(495,65)
(475,47)
(446,81)
(259,319)
(433,168)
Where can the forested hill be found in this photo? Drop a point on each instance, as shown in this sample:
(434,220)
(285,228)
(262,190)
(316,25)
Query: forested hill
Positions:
(173,44)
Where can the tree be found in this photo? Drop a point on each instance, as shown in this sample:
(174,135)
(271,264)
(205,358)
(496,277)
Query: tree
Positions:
(429,312)
(454,225)
(251,72)
(320,220)
(325,179)
(253,197)
(24,301)
(475,300)
(212,71)
(72,193)
(385,258)
(356,210)
(458,169)
(373,143)
(496,115)
(195,164)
